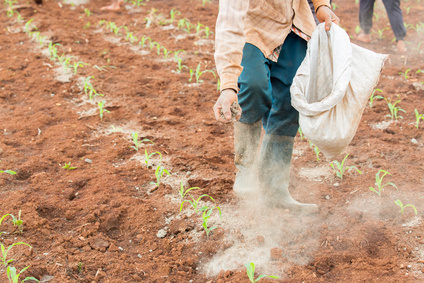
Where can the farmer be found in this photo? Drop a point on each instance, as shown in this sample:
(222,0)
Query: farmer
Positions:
(259,46)
(366,10)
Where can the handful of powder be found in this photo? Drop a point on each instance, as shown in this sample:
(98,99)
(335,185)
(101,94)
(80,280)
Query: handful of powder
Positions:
(235,111)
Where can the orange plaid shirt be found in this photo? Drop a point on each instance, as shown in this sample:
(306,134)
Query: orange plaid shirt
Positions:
(263,23)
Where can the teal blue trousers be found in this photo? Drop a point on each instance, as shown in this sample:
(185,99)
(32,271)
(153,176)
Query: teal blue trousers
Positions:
(265,87)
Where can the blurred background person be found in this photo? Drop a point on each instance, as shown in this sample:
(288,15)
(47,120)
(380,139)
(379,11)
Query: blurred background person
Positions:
(366,11)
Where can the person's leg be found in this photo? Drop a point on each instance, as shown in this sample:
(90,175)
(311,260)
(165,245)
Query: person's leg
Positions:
(254,98)
(366,10)
(280,128)
(114,6)
(394,13)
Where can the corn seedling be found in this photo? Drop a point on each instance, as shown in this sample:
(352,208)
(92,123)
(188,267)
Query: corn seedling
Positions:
(142,42)
(148,156)
(377,16)
(117,29)
(53,51)
(200,73)
(89,89)
(174,13)
(195,202)
(8,172)
(418,117)
(373,96)
(5,251)
(65,62)
(207,32)
(102,109)
(17,222)
(334,6)
(130,37)
(316,150)
(179,61)
(14,277)
(160,170)
(380,33)
(80,267)
(87,12)
(136,142)
(182,192)
(185,25)
(250,269)
(206,215)
(28,26)
(402,207)
(76,65)
(158,48)
(378,182)
(340,168)
(206,1)
(68,166)
(394,110)
(405,74)
(165,52)
(199,27)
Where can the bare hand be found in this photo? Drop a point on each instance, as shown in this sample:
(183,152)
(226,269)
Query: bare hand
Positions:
(223,104)
(324,14)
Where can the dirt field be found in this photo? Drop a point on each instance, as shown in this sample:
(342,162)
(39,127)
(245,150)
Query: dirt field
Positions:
(105,222)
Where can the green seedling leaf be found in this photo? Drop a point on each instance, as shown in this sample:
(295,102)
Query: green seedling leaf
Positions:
(340,168)
(68,166)
(250,269)
(8,172)
(5,251)
(379,182)
(402,207)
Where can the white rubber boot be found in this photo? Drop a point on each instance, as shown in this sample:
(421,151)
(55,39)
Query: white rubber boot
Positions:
(274,174)
(246,142)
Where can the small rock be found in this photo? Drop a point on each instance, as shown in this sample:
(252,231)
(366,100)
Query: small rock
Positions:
(418,86)
(336,184)
(161,233)
(327,197)
(46,278)
(113,248)
(88,160)
(99,244)
(414,141)
(409,266)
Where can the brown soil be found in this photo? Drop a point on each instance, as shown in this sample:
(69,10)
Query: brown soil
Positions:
(105,222)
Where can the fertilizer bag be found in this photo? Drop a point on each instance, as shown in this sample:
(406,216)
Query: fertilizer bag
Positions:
(332,87)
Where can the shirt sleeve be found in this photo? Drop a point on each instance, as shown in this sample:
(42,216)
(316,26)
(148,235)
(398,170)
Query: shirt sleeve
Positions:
(229,41)
(319,3)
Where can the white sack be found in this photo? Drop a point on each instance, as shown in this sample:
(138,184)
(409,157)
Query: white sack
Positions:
(332,87)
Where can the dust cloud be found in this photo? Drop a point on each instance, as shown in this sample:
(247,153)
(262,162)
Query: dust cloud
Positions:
(253,229)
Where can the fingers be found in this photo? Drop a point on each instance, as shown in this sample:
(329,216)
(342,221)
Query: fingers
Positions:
(217,112)
(328,23)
